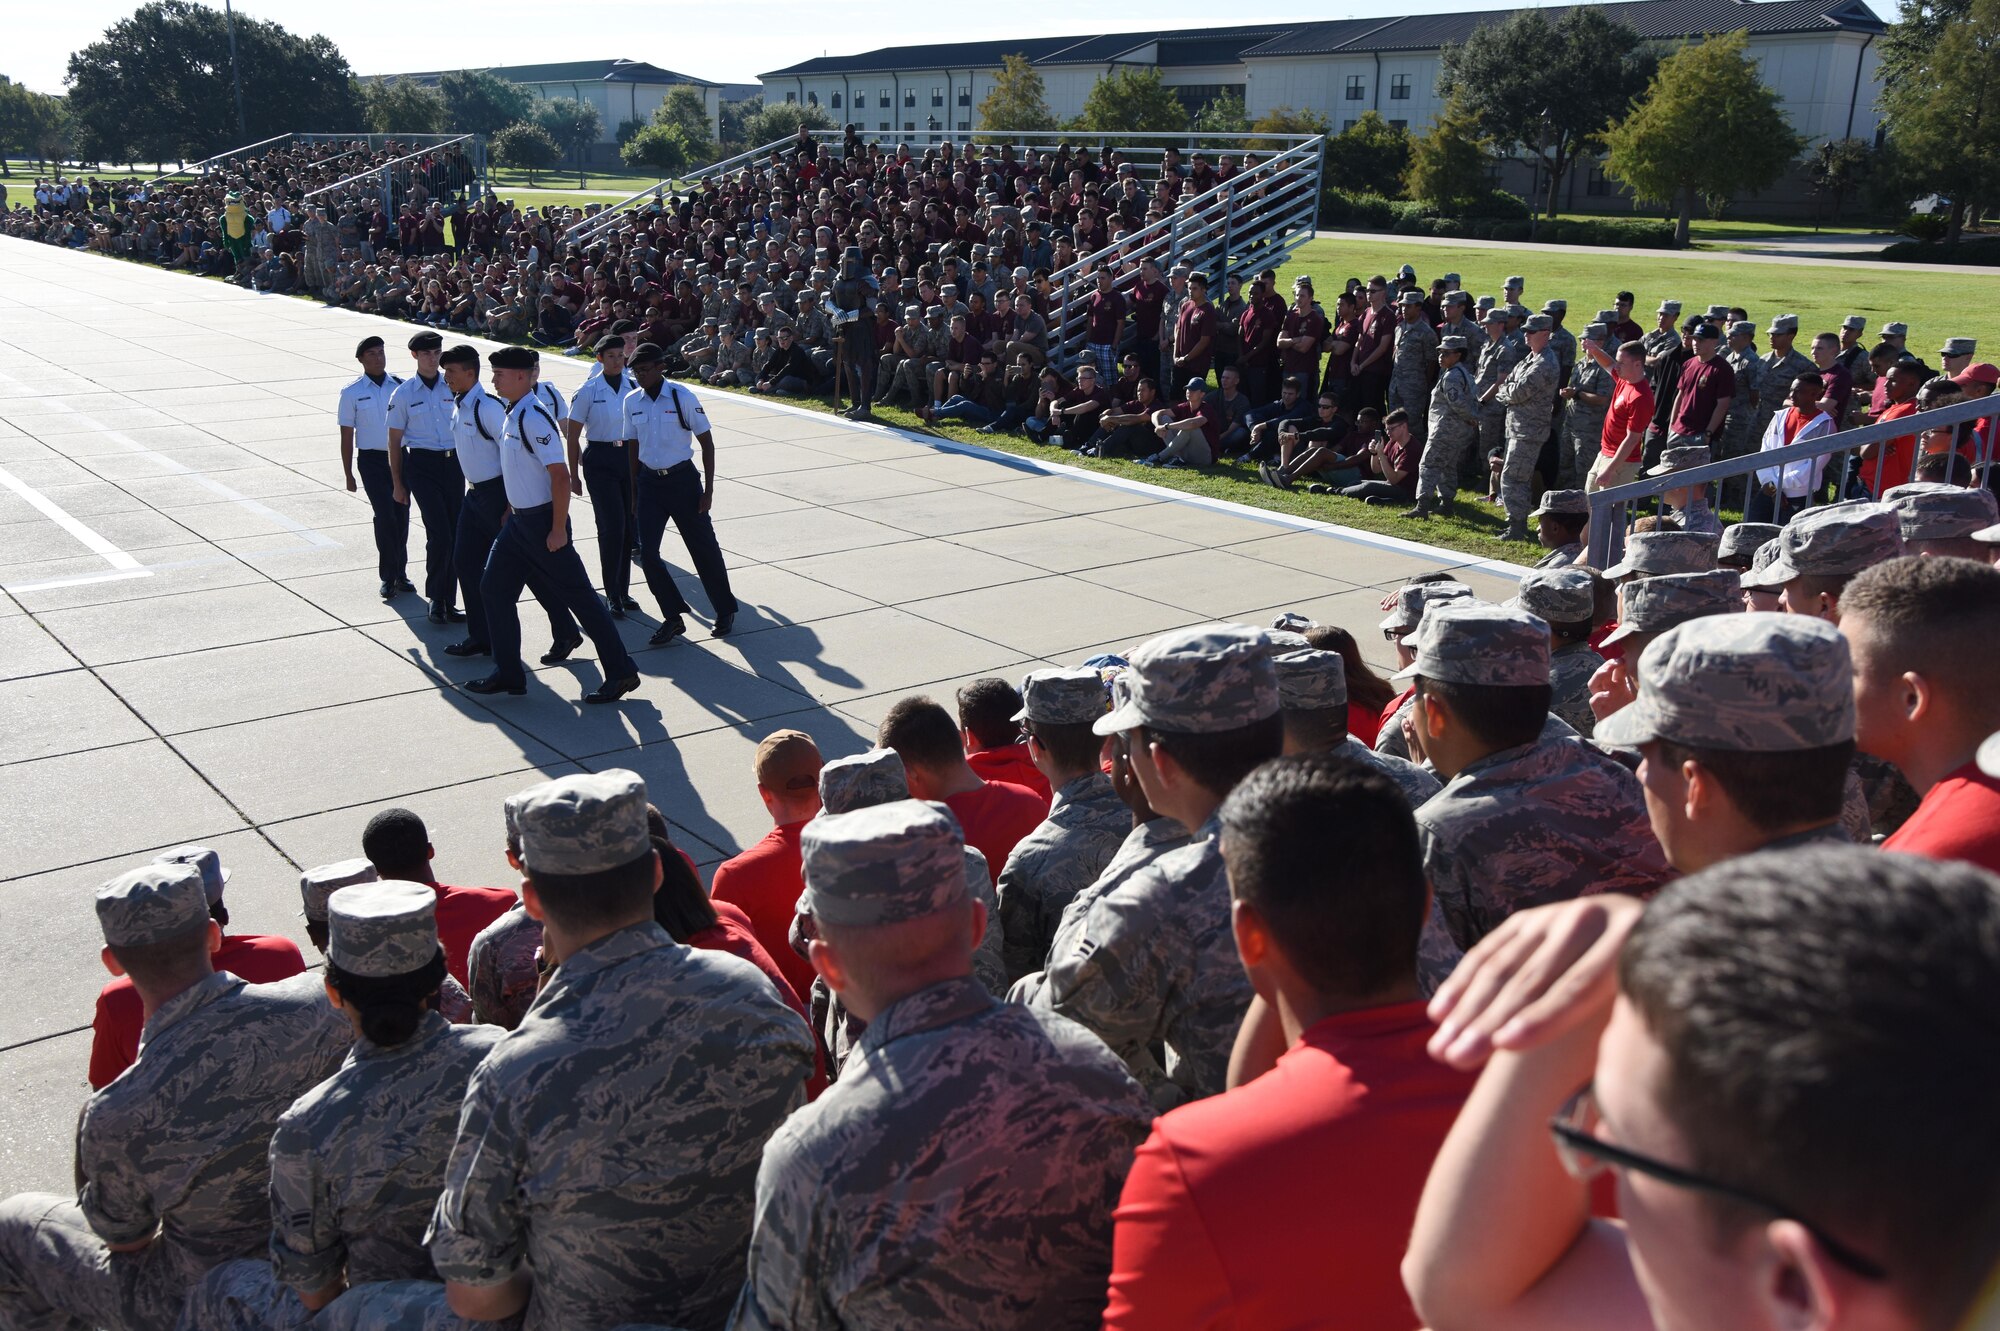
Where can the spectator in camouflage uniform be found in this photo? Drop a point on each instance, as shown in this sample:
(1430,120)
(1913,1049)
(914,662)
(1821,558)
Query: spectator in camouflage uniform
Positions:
(813,329)
(1938,520)
(356,1162)
(1459,323)
(1559,522)
(1523,819)
(1758,708)
(1496,360)
(1312,699)
(1739,426)
(1400,628)
(964,1172)
(631,1200)
(1586,397)
(1453,429)
(1782,365)
(170,1157)
(1688,505)
(1156,962)
(322,251)
(500,968)
(1741,541)
(1414,365)
(1563,599)
(1665,335)
(1529,394)
(1648,554)
(733,364)
(1087,821)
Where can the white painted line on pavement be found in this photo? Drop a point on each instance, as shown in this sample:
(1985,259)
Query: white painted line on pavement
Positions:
(126,565)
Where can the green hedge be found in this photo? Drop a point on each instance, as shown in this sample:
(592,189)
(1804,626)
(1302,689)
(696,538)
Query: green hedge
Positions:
(1982,250)
(1497,215)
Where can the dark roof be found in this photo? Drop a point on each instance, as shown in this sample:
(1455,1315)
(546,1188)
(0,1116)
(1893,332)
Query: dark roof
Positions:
(1655,20)
(574,71)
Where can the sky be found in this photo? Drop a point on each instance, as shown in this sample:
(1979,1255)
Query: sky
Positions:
(730,42)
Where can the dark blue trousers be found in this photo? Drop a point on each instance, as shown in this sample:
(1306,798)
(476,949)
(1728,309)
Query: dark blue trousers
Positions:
(520,554)
(392,520)
(478,527)
(437,488)
(607,476)
(676,493)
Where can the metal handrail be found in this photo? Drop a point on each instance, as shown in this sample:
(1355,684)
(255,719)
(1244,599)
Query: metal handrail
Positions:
(583,230)
(201,167)
(1187,141)
(1609,506)
(387,166)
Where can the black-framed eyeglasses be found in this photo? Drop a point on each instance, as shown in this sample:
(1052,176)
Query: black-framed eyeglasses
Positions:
(1393,635)
(1585,1155)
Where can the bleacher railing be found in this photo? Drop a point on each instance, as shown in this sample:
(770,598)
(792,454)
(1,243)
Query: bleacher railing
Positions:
(1252,221)
(595,224)
(208,164)
(385,176)
(1145,149)
(1612,508)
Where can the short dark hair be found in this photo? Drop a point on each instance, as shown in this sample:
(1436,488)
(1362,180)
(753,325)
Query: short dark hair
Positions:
(583,901)
(681,906)
(1326,851)
(1500,715)
(1218,760)
(166,962)
(1937,617)
(391,1007)
(1774,791)
(1570,524)
(1397,416)
(922,732)
(1073,746)
(398,845)
(1315,730)
(1804,1066)
(986,707)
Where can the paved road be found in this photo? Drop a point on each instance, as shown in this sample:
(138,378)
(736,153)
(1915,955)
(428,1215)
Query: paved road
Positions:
(191,647)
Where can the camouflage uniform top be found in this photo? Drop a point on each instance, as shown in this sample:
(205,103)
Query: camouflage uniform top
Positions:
(1417,783)
(1585,421)
(1562,556)
(1142,845)
(989,960)
(1533,824)
(1389,738)
(1774,383)
(1496,361)
(1157,962)
(356,1162)
(962,1174)
(179,1141)
(1748,367)
(1454,401)
(1563,343)
(1570,669)
(1414,355)
(500,968)
(608,1145)
(1529,390)
(732,356)
(1086,825)
(1698,516)
(814,329)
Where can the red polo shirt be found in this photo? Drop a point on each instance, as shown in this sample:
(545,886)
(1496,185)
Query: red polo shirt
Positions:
(1891,465)
(461,913)
(765,881)
(1011,763)
(114,1044)
(995,817)
(1959,819)
(1337,1138)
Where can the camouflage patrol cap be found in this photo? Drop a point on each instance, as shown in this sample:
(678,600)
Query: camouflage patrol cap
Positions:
(1685,457)
(862,779)
(1670,307)
(1932,511)
(1494,315)
(1452,342)
(1481,644)
(882,865)
(318,884)
(1654,605)
(1757,578)
(1061,697)
(1746,538)
(1311,681)
(1959,346)
(1856,323)
(1784,323)
(1411,297)
(1718,311)
(1741,328)
(1538,323)
(1652,553)
(1201,680)
(1988,535)
(1750,683)
(209,864)
(1597,331)
(1457,297)
(1558,595)
(382,929)
(1555,307)
(584,824)
(1292,622)
(1412,599)
(1836,539)
(1284,640)
(1563,503)
(1605,317)
(153,903)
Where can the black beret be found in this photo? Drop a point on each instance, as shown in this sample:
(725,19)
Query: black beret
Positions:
(368,344)
(428,340)
(512,358)
(648,354)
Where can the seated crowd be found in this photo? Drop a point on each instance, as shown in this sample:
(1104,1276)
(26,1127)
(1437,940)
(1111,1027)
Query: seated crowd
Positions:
(1586,971)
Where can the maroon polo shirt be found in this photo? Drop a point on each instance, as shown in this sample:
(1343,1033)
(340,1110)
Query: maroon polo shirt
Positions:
(1196,323)
(1703,383)
(1147,302)
(1303,322)
(1106,317)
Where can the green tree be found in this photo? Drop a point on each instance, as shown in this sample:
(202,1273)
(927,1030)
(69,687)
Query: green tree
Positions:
(1018,104)
(1284,120)
(1448,165)
(526,147)
(661,148)
(781,120)
(1944,118)
(1546,89)
(735,116)
(574,125)
(478,101)
(404,106)
(1132,101)
(1225,118)
(1908,45)
(1839,167)
(683,111)
(1370,155)
(1708,126)
(33,125)
(157,83)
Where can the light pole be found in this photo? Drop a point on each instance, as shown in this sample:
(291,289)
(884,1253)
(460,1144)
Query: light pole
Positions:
(235,73)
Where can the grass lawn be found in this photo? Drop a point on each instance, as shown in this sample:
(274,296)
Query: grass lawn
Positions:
(1935,305)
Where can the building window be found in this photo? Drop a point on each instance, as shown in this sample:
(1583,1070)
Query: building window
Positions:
(965,124)
(1596,186)
(1399,87)
(909,99)
(1399,124)
(965,97)
(909,126)
(834,101)
(1356,89)
(791,97)
(812,99)
(885,127)
(937,96)
(1346,125)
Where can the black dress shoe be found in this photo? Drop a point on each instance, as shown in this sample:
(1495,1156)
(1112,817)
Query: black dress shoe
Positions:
(436,613)
(405,585)
(611,690)
(493,684)
(559,652)
(668,631)
(454,615)
(723,623)
(470,647)
(617,610)
(388,591)
(627,603)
